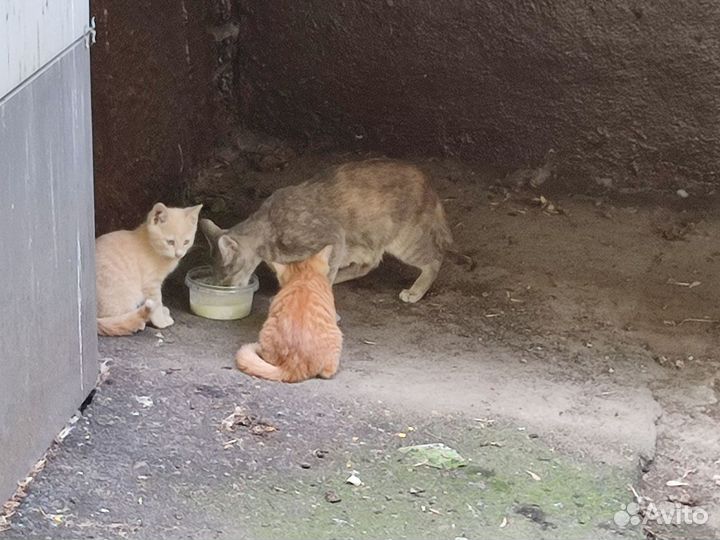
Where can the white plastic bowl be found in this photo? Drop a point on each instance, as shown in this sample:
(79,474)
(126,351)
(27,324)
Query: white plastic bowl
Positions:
(218,302)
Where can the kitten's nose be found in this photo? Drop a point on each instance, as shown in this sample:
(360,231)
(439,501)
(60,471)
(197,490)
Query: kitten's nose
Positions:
(178,254)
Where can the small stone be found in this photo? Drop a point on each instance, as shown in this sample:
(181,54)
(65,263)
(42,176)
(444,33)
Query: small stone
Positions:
(354,480)
(321,453)
(304,465)
(332,497)
(682,193)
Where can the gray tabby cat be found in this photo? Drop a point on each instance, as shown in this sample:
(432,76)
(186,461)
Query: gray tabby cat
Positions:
(363,209)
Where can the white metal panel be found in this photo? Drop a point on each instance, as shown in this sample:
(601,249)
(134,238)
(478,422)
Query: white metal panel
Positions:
(33,32)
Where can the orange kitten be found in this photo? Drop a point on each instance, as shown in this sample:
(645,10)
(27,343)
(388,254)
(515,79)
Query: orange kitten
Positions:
(132,265)
(300,338)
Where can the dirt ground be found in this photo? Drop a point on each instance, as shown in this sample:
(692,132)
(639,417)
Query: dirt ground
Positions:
(575,365)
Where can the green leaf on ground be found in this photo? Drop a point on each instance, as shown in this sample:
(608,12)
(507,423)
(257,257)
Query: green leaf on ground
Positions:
(437,455)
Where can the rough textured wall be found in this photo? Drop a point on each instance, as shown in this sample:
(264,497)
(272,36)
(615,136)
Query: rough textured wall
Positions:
(154,102)
(627,92)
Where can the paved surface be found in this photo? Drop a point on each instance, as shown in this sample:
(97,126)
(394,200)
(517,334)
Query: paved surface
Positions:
(577,362)
(149,457)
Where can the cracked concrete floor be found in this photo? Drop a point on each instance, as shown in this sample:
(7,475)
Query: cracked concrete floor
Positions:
(581,349)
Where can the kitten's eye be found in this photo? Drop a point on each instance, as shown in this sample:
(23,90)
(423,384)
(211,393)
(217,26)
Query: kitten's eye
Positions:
(186,242)
(171,242)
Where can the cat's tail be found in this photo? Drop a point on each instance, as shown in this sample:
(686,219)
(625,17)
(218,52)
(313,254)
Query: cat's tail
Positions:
(440,230)
(127,323)
(444,241)
(460,258)
(248,361)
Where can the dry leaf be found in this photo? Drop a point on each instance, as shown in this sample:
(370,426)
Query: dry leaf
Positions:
(504,523)
(676,483)
(688,284)
(262,429)
(145,401)
(237,418)
(64,432)
(229,444)
(533,475)
(547,206)
(8,508)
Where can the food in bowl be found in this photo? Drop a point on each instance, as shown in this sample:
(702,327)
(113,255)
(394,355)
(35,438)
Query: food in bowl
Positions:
(216,301)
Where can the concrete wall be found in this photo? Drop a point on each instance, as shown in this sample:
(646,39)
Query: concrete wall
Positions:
(153,103)
(48,343)
(628,91)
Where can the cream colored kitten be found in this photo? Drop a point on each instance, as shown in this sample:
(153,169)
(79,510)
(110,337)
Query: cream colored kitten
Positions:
(132,265)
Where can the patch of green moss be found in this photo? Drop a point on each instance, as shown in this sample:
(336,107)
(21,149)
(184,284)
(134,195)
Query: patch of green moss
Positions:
(399,499)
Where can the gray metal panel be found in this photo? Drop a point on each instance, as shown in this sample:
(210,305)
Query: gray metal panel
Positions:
(33,32)
(48,342)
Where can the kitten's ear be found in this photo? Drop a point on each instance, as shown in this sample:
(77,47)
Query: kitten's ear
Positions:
(324,254)
(194,212)
(228,248)
(211,232)
(158,214)
(279,269)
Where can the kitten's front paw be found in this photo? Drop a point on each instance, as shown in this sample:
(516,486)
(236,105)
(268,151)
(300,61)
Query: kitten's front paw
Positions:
(161,318)
(165,322)
(407,295)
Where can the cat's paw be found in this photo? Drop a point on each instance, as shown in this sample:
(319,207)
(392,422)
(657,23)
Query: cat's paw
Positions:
(164,322)
(409,296)
(161,318)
